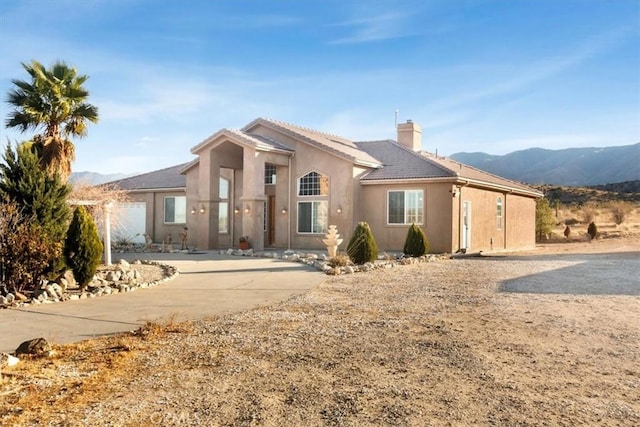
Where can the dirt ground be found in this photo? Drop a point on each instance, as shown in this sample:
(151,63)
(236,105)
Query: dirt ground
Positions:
(449,343)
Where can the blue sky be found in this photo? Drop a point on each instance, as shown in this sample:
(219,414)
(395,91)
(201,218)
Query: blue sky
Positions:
(493,76)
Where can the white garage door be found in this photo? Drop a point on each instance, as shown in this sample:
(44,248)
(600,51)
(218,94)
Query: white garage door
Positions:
(129,222)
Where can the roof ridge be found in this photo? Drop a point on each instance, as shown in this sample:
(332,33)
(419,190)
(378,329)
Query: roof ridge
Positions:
(308,129)
(153,171)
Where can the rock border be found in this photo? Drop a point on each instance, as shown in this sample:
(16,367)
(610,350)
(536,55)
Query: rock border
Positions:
(322,261)
(118,278)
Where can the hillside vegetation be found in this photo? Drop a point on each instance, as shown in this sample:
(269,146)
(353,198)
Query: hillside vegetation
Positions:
(571,166)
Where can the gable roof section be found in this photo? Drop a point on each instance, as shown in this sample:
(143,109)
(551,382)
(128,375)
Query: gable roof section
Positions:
(334,144)
(402,163)
(256,141)
(167,178)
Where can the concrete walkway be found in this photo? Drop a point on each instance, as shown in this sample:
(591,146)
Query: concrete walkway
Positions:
(208,284)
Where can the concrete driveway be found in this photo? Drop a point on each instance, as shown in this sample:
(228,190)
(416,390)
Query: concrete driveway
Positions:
(209,284)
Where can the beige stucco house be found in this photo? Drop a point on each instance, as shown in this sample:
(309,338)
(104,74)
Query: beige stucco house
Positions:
(282,185)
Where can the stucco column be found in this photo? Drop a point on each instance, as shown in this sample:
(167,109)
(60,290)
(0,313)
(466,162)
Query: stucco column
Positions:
(253,197)
(208,197)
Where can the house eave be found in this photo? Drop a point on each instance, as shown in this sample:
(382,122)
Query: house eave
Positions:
(456,181)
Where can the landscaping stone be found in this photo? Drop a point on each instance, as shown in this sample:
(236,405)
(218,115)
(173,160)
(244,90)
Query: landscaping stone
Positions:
(36,346)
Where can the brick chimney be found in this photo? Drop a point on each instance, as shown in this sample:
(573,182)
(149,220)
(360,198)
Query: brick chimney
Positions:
(410,135)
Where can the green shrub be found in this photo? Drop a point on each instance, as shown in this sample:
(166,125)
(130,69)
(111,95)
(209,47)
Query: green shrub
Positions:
(592,230)
(26,250)
(83,248)
(362,247)
(416,243)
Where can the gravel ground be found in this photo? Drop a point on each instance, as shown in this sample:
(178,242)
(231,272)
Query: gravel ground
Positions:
(511,340)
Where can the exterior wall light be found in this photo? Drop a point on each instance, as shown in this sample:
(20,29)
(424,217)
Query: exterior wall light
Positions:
(247,210)
(202,210)
(193,210)
(236,210)
(339,210)
(284,211)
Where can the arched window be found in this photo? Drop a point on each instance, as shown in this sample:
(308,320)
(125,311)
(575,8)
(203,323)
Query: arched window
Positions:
(313,184)
(499,213)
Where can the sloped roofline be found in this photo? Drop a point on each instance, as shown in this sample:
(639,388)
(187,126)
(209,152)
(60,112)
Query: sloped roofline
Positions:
(289,129)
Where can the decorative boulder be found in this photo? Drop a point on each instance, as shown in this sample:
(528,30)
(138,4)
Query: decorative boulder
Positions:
(36,346)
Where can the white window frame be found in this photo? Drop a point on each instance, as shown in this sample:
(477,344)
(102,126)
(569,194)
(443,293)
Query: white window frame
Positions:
(324,226)
(223,206)
(320,176)
(421,209)
(269,179)
(499,213)
(176,215)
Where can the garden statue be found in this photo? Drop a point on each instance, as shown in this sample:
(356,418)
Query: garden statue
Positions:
(183,236)
(332,240)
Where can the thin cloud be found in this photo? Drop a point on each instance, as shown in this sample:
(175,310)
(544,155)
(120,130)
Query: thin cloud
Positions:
(385,26)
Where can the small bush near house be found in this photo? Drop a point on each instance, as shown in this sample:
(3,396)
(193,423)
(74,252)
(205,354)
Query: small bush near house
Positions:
(83,248)
(339,261)
(362,247)
(416,243)
(592,230)
(26,250)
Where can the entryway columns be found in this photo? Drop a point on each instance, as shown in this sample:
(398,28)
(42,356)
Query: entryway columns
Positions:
(253,197)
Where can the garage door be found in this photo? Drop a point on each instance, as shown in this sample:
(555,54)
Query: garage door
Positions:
(129,222)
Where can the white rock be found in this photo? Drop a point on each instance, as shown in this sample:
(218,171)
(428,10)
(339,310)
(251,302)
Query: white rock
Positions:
(349,269)
(3,300)
(8,360)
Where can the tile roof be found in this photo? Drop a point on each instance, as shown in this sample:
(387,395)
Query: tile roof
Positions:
(332,143)
(256,141)
(399,162)
(402,163)
(164,178)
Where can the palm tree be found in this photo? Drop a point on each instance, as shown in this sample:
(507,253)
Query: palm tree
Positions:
(53,102)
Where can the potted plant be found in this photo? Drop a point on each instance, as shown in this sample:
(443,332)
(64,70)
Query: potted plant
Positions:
(244,243)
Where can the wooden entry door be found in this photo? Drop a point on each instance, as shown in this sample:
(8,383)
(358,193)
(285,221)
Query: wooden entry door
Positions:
(271,221)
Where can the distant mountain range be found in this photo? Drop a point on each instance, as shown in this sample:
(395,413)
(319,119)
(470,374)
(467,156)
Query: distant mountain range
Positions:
(94,178)
(570,166)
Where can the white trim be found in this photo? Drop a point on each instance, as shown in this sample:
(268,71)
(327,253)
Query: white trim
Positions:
(405,223)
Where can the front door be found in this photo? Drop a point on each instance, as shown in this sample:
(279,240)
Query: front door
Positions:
(466,226)
(271,221)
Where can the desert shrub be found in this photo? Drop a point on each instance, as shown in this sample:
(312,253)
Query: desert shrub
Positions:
(567,231)
(339,260)
(588,214)
(83,248)
(544,218)
(416,243)
(592,230)
(571,221)
(362,247)
(620,211)
(26,250)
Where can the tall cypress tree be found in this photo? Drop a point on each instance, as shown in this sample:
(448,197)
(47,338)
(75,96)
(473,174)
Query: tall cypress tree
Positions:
(39,195)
